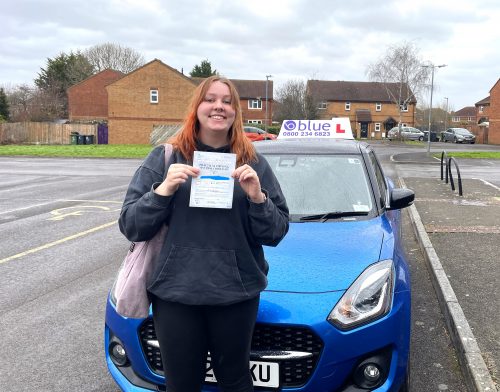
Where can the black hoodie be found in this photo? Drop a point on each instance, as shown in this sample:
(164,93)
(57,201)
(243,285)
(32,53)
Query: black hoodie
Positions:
(211,256)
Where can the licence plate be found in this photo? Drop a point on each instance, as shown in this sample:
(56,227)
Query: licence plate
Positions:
(264,374)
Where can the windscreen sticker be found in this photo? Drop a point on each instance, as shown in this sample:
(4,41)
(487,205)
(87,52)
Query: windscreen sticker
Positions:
(336,128)
(288,162)
(360,207)
(354,161)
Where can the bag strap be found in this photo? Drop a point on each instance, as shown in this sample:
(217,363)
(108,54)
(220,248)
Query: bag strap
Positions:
(168,154)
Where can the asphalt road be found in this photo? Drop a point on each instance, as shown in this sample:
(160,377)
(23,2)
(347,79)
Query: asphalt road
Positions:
(469,168)
(434,363)
(60,248)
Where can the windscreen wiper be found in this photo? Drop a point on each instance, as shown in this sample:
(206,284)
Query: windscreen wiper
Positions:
(333,215)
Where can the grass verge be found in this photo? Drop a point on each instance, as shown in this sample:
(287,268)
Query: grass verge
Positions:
(471,154)
(78,151)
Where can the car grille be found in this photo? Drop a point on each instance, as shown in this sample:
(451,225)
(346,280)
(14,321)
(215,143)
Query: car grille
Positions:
(266,337)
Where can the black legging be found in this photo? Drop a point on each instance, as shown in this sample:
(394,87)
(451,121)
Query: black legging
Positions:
(187,332)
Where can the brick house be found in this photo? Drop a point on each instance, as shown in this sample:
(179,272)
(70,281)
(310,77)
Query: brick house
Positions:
(482,115)
(494,114)
(88,100)
(154,94)
(253,100)
(464,118)
(482,110)
(157,95)
(367,104)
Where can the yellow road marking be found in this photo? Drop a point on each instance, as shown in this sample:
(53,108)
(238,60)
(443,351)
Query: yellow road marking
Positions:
(51,244)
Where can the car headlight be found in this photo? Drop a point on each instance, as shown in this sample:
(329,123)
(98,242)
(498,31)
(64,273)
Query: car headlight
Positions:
(368,298)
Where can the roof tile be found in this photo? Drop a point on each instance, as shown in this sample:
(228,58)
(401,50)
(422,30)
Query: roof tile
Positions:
(327,90)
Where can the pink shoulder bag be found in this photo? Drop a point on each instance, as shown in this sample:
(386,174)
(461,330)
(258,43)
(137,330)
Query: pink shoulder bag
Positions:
(130,285)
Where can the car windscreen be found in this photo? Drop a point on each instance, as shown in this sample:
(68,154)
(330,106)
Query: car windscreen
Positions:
(251,130)
(460,131)
(321,184)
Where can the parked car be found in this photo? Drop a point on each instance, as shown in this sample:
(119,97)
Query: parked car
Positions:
(257,134)
(407,133)
(336,313)
(458,135)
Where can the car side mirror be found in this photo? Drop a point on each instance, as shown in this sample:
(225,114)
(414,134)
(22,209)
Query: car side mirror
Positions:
(401,198)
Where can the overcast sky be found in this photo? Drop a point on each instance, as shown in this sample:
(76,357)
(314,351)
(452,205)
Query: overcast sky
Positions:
(288,39)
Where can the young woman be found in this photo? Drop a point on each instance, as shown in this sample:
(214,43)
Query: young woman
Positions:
(206,287)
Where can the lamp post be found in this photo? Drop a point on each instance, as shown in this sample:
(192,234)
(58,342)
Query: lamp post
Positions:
(432,67)
(446,115)
(267,81)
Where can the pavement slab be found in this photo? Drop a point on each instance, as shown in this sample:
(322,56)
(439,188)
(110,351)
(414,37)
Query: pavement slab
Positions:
(460,237)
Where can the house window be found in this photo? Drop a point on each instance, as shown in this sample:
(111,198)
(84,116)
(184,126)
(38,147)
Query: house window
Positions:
(322,105)
(378,107)
(403,107)
(255,104)
(254,121)
(347,106)
(455,119)
(470,119)
(377,127)
(481,108)
(153,96)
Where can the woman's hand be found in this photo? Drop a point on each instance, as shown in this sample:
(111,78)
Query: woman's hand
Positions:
(177,174)
(250,183)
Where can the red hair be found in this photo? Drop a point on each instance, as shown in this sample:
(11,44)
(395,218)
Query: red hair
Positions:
(185,139)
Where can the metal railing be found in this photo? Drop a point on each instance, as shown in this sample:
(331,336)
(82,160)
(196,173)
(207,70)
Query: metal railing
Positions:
(447,162)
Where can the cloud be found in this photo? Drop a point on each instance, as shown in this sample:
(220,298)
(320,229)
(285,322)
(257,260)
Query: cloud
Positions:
(289,39)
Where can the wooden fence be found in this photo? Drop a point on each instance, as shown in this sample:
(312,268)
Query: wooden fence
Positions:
(43,133)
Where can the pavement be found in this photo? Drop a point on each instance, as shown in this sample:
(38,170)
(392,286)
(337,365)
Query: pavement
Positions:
(460,239)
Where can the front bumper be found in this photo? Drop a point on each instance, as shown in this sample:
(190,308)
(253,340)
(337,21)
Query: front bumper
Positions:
(341,352)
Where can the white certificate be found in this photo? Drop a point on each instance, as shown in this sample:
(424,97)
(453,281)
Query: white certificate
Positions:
(213,188)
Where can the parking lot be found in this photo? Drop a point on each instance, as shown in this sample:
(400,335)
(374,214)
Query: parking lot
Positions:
(60,249)
(458,235)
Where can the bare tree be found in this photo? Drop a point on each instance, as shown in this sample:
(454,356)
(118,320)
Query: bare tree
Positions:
(29,103)
(440,117)
(400,70)
(20,100)
(293,102)
(113,56)
(48,104)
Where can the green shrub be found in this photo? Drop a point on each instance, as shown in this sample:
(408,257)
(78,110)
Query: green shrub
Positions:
(274,129)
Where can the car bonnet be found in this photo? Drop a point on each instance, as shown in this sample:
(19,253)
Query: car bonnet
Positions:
(320,257)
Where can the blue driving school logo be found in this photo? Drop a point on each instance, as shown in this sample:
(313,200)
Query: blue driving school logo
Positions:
(290,125)
(338,128)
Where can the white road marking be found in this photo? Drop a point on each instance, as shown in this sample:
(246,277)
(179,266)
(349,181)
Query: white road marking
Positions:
(487,183)
(58,201)
(64,212)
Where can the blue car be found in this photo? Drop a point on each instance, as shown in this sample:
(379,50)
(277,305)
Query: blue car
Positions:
(336,313)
